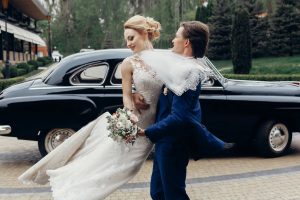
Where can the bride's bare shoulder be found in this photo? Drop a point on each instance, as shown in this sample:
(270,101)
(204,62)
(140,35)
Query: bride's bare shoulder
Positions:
(126,65)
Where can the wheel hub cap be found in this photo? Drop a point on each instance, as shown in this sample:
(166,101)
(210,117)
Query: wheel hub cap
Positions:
(57,136)
(279,136)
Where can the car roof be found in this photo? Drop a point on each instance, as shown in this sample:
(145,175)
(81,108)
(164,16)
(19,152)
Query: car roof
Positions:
(77,59)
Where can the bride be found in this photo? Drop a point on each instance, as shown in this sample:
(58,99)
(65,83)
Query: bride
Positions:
(90,165)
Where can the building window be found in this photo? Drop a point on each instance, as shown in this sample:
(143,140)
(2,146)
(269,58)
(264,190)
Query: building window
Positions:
(8,43)
(18,45)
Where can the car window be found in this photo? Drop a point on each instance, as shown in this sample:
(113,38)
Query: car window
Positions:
(94,74)
(117,76)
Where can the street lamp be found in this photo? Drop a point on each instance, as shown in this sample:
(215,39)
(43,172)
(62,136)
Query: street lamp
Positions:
(49,37)
(5,7)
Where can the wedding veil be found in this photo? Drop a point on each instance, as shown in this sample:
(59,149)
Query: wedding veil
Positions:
(177,72)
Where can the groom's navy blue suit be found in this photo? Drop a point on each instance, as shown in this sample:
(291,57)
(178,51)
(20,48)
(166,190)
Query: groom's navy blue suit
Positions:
(178,135)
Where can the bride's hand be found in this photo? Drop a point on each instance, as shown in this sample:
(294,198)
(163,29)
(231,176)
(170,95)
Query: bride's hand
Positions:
(139,102)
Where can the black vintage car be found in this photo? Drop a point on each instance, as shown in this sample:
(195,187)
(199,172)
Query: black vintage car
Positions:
(84,85)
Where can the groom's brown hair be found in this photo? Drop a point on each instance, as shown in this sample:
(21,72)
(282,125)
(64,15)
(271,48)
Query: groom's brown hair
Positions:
(198,35)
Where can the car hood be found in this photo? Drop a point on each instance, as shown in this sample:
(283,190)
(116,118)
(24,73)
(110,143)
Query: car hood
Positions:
(284,88)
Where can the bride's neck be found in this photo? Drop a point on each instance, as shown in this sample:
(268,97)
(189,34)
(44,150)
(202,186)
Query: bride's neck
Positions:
(148,45)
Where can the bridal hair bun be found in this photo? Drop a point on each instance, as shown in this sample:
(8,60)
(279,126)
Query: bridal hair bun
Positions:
(154,28)
(141,23)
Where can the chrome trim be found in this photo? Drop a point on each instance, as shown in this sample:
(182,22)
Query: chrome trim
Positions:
(212,88)
(66,87)
(114,86)
(218,75)
(214,97)
(117,65)
(5,129)
(86,67)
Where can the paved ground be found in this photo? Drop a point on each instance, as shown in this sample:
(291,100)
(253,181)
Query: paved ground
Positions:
(242,176)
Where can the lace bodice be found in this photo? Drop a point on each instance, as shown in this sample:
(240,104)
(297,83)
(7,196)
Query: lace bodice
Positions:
(147,84)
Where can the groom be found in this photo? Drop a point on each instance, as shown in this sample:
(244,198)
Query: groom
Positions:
(177,133)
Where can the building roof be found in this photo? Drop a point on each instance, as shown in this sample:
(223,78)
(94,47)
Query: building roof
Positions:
(31,8)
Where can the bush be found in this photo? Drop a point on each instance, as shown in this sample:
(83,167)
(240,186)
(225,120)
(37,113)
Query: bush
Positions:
(48,60)
(40,64)
(33,63)
(24,66)
(42,60)
(4,83)
(273,77)
(31,68)
(20,72)
(13,71)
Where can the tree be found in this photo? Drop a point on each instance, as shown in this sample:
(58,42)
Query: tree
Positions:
(261,38)
(203,12)
(259,27)
(99,24)
(241,42)
(166,12)
(220,24)
(285,25)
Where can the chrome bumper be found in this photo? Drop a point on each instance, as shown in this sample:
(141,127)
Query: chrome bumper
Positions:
(5,129)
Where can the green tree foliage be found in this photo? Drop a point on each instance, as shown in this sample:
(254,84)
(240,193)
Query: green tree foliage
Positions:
(259,27)
(80,24)
(165,12)
(285,27)
(241,42)
(203,12)
(296,32)
(261,38)
(220,24)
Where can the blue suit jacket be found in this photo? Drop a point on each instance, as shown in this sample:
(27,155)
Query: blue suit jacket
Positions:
(179,117)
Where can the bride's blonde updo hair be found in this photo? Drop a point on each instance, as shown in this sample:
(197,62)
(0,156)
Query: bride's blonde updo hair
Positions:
(147,24)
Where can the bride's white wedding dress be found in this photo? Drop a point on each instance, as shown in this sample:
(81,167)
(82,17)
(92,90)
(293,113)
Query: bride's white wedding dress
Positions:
(90,165)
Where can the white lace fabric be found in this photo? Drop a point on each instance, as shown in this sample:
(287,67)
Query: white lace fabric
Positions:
(177,72)
(90,165)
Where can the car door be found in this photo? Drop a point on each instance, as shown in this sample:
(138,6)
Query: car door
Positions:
(213,105)
(94,82)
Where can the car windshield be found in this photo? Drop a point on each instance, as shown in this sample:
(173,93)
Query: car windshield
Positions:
(215,71)
(45,73)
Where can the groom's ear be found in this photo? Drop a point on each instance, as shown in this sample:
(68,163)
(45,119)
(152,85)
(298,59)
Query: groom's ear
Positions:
(186,43)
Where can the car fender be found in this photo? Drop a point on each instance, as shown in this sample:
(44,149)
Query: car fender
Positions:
(47,111)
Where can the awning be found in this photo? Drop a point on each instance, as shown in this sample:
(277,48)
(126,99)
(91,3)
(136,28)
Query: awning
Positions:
(22,34)
(35,9)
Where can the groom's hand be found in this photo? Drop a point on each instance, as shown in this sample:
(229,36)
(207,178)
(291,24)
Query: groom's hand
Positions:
(139,102)
(141,132)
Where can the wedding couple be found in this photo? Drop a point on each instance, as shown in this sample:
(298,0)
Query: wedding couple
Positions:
(90,165)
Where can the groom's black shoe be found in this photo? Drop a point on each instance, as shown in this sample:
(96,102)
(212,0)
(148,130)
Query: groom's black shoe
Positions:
(229,148)
(228,145)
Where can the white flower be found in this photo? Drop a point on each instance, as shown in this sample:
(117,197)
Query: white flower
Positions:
(119,125)
(128,124)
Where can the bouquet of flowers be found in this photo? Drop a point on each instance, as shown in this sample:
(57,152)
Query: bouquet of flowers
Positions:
(123,126)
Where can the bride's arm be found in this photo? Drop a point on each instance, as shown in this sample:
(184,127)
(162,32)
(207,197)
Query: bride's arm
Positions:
(126,71)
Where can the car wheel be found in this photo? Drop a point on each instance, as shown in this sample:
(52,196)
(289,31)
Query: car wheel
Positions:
(273,139)
(50,139)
